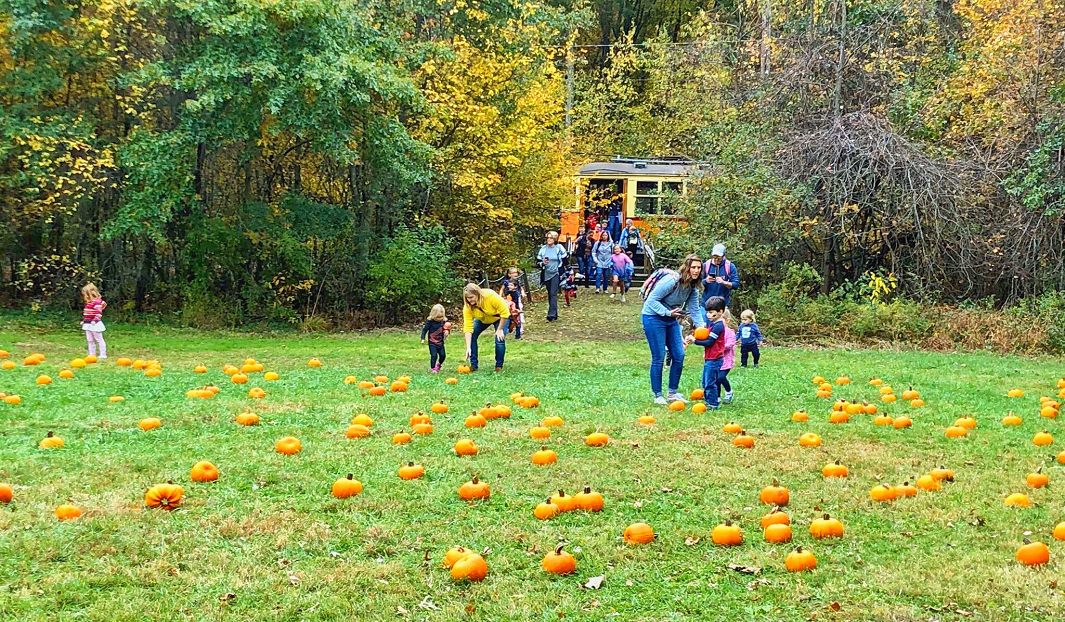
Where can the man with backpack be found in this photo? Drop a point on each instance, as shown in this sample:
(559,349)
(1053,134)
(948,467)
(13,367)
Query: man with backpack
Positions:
(668,295)
(720,276)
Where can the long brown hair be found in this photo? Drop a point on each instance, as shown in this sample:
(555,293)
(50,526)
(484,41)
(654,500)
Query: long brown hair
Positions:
(685,272)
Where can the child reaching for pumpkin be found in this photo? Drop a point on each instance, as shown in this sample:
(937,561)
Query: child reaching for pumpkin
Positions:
(92,319)
(713,339)
(437,328)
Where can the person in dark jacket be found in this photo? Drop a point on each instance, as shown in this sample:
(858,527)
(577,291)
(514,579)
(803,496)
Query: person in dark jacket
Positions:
(582,249)
(436,328)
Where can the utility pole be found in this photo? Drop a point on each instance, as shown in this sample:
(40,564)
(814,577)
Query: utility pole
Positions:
(569,86)
(767,34)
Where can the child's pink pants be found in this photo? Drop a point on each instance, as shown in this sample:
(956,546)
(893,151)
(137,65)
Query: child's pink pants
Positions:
(96,338)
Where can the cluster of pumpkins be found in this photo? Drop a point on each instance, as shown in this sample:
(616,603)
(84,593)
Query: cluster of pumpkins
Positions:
(44,379)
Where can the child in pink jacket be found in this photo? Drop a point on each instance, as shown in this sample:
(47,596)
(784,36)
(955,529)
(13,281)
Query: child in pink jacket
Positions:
(723,385)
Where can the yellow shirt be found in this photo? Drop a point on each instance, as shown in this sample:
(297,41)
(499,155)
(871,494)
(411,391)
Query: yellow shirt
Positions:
(492,308)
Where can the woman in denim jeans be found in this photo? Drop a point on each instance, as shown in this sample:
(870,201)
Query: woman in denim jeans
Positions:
(672,297)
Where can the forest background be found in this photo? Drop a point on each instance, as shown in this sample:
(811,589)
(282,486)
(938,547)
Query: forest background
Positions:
(880,169)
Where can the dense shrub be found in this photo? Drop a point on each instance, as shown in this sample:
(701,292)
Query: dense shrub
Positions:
(412,272)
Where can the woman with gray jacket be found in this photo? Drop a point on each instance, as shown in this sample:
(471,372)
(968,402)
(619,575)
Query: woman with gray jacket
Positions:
(601,253)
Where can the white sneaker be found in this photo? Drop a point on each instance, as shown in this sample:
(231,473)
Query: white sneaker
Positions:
(612,296)
(676,397)
(623,298)
(728,397)
(661,401)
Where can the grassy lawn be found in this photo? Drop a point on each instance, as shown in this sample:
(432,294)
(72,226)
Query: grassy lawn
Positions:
(267,541)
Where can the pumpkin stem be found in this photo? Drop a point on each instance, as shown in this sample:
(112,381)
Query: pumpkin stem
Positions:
(587,490)
(410,464)
(558,549)
(49,435)
(474,480)
(728,523)
(826,515)
(798,549)
(351,476)
(776,482)
(1027,541)
(561,493)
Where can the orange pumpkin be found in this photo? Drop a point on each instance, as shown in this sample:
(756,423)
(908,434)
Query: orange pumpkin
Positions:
(423,428)
(1038,479)
(544,457)
(743,440)
(826,527)
(248,418)
(809,439)
(1018,500)
(540,432)
(902,422)
(596,439)
(565,503)
(776,516)
(345,488)
(411,471)
(800,416)
(727,534)
(67,512)
(6,493)
(775,494)
(589,500)
(1033,553)
(883,493)
(645,419)
(638,533)
(401,438)
(1043,438)
(438,408)
(476,421)
(834,470)
(51,441)
(203,471)
(732,428)
(288,445)
(378,391)
(777,534)
(164,496)
(552,421)
(800,560)
(357,430)
(545,510)
(474,490)
(149,423)
(466,447)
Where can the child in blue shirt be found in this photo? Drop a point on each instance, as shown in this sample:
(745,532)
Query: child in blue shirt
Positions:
(750,337)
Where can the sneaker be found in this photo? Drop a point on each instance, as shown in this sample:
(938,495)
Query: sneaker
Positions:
(433,370)
(709,407)
(623,298)
(473,369)
(728,397)
(611,296)
(676,397)
(499,369)
(661,401)
(756,364)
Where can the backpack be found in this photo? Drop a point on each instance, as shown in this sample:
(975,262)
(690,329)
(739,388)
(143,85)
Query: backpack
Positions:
(727,265)
(655,277)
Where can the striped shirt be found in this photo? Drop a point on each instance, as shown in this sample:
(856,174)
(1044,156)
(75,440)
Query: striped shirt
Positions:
(94,311)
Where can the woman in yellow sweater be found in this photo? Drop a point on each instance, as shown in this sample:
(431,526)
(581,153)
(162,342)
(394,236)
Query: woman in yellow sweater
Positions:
(484,308)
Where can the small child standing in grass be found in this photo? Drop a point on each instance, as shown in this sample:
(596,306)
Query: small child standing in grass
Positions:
(436,327)
(92,319)
(728,360)
(750,337)
(620,263)
(511,290)
(715,350)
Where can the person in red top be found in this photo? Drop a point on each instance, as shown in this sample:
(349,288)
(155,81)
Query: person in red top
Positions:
(92,319)
(715,350)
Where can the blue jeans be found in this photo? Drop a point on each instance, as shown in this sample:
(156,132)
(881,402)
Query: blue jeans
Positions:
(501,344)
(711,369)
(614,226)
(603,275)
(585,265)
(512,324)
(662,334)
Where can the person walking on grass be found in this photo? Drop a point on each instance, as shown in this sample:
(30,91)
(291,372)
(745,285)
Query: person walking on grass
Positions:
(512,291)
(620,266)
(582,249)
(714,352)
(750,337)
(669,295)
(436,328)
(482,308)
(552,260)
(720,276)
(631,240)
(728,360)
(92,319)
(601,253)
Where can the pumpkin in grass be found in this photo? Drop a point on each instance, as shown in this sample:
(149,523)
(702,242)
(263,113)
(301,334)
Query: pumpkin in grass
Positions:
(834,469)
(398,387)
(411,471)
(454,554)
(474,490)
(1043,438)
(124,362)
(552,421)
(699,408)
(516,397)
(902,422)
(357,430)
(67,512)
(853,408)
(774,494)
(420,417)
(422,428)
(51,441)
(488,412)
(476,421)
(826,527)
(78,363)
(66,374)
(4,354)
(149,423)
(743,440)
(638,533)
(8,365)
(1037,479)
(843,380)
(727,534)
(777,534)
(545,510)
(6,493)
(463,369)
(697,395)
(288,445)
(916,403)
(565,503)
(869,409)
(44,379)
(346,487)
(351,380)
(401,438)
(365,384)
(818,380)
(203,471)
(839,417)
(875,382)
(800,560)
(116,398)
(362,419)
(1018,500)
(540,432)
(544,457)
(530,402)
(466,447)
(825,387)
(438,408)
(596,439)
(164,496)
(1033,553)
(910,394)
(883,419)
(559,562)
(905,489)
(888,399)
(956,431)
(248,418)
(800,416)
(929,483)
(227,369)
(200,369)
(648,419)
(1011,419)
(677,405)
(776,516)
(1048,412)
(1015,393)
(381,379)
(883,493)
(1061,457)
(239,378)
(271,376)
(588,500)
(256,393)
(942,474)
(451,381)
(824,394)
(1059,529)
(471,567)
(839,405)
(314,362)
(809,439)
(404,379)
(503,412)
(731,428)
(966,422)
(378,391)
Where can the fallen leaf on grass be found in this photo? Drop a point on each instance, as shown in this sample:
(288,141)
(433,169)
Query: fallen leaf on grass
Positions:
(428,604)
(691,540)
(227,597)
(401,611)
(834,606)
(594,583)
(744,569)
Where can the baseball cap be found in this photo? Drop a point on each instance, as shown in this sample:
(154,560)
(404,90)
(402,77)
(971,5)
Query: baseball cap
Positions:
(718,250)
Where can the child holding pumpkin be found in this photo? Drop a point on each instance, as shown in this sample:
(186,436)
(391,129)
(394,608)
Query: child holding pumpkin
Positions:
(714,342)
(728,360)
(92,319)
(436,327)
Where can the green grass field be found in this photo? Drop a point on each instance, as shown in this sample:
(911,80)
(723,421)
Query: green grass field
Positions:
(267,541)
